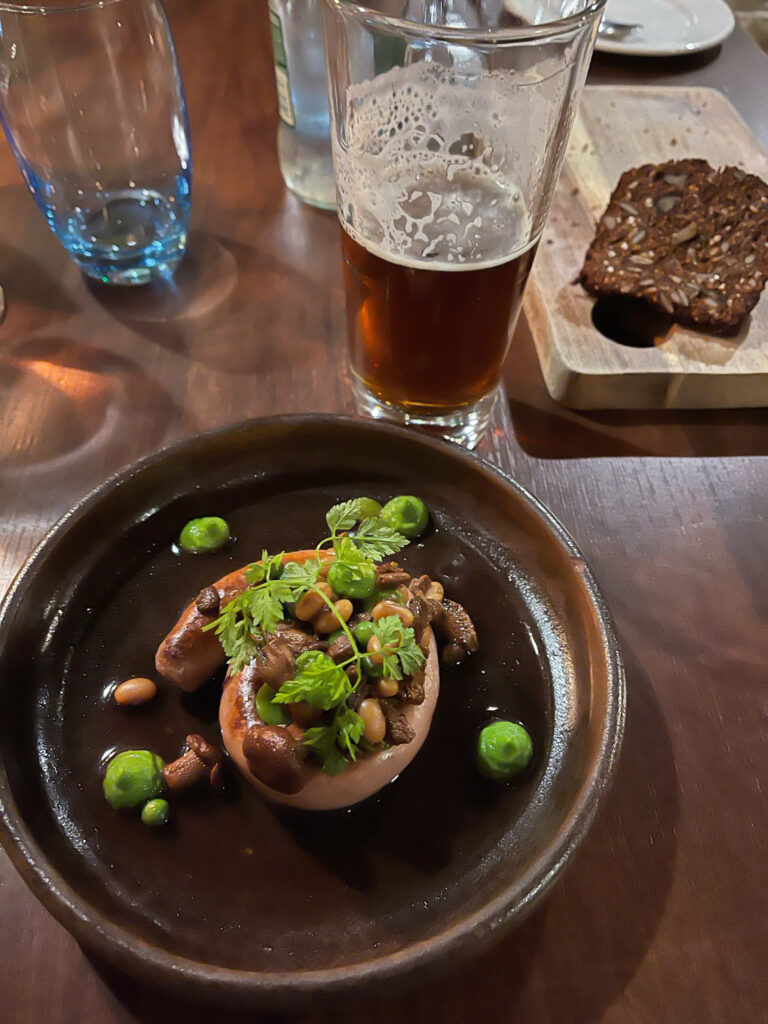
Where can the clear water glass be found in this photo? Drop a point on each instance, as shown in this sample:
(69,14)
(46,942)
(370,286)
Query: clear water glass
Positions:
(93,107)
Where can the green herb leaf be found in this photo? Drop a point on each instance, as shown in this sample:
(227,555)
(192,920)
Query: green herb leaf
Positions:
(237,633)
(347,551)
(301,576)
(336,744)
(320,682)
(402,656)
(349,728)
(344,516)
(356,564)
(376,540)
(265,604)
(244,621)
(322,739)
(269,567)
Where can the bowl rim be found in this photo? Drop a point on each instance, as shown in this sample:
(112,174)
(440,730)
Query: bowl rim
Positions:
(465,938)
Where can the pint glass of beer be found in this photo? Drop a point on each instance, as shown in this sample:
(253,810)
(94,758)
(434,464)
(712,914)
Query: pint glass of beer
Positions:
(450,119)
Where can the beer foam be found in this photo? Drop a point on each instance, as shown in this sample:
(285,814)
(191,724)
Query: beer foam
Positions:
(434,164)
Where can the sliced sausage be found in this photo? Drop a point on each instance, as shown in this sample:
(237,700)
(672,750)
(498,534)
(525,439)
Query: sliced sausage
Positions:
(188,656)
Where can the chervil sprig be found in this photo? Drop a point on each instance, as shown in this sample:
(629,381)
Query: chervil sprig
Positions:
(319,682)
(237,634)
(369,535)
(344,515)
(359,539)
(375,540)
(302,575)
(336,744)
(244,622)
(401,655)
(270,567)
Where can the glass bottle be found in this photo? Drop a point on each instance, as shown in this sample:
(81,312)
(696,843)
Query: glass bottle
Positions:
(303,136)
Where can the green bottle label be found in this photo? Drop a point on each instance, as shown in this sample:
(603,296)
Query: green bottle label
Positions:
(284,101)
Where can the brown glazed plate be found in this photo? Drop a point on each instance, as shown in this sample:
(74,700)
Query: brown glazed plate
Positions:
(234,899)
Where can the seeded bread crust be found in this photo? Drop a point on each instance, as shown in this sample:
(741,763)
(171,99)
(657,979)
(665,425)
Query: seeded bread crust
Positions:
(689,240)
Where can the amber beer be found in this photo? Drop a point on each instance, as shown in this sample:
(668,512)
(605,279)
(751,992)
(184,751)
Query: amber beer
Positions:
(430,337)
(448,128)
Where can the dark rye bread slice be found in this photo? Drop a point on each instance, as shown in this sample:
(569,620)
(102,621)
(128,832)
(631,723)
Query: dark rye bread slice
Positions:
(689,240)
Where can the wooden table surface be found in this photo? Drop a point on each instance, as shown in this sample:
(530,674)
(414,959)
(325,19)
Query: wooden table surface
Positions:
(663,916)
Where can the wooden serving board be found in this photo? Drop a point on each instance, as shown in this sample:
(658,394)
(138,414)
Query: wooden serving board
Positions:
(618,128)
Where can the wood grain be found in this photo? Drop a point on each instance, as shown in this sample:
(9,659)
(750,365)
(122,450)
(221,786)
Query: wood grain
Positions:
(663,917)
(619,128)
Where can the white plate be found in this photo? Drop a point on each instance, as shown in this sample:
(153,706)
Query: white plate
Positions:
(669,27)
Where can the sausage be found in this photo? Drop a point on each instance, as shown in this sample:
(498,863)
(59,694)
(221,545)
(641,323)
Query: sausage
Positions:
(188,656)
(303,784)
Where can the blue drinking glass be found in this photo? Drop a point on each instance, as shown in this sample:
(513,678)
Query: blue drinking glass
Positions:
(92,104)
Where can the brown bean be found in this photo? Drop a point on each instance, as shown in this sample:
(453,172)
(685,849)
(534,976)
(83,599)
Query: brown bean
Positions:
(387,687)
(135,691)
(374,722)
(385,608)
(374,650)
(310,604)
(328,621)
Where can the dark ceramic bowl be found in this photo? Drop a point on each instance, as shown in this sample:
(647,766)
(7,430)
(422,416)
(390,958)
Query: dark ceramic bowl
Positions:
(236,900)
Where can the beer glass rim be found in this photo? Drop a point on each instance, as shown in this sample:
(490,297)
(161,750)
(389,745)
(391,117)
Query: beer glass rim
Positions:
(64,7)
(489,34)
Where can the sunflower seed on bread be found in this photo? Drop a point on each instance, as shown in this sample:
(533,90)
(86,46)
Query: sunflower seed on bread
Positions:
(690,240)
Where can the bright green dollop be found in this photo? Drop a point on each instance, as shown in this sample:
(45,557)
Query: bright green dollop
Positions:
(269,713)
(353,581)
(362,632)
(201,536)
(369,508)
(406,514)
(372,668)
(504,750)
(155,812)
(132,777)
